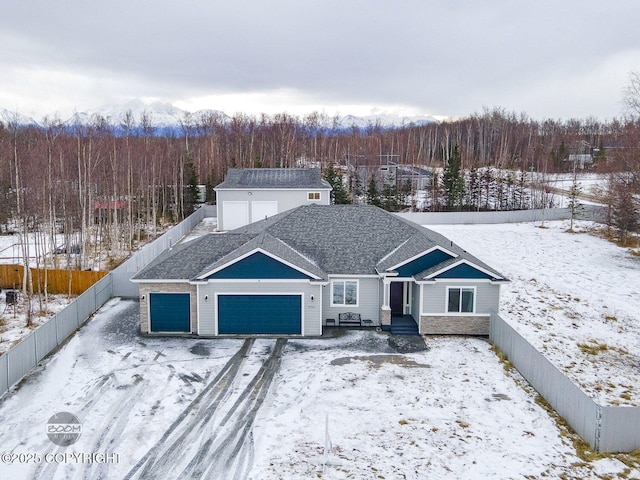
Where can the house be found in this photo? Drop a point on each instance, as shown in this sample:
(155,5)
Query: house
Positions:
(391,173)
(251,194)
(290,273)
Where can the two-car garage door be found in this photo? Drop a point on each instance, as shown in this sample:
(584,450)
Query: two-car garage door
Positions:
(238,314)
(259,314)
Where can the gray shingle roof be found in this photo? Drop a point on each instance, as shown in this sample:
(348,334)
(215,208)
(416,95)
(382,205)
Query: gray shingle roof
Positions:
(273,178)
(185,261)
(321,239)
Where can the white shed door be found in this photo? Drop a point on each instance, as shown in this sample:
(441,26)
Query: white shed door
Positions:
(235,215)
(262,210)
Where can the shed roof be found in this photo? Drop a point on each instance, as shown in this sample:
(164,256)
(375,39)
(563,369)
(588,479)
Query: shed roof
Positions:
(277,178)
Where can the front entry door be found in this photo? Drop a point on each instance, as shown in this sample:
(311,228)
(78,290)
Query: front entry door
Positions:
(396,300)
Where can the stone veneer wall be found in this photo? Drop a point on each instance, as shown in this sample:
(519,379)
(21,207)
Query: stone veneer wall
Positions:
(451,325)
(385,316)
(147,288)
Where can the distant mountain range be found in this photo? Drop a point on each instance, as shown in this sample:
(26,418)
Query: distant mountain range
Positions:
(165,118)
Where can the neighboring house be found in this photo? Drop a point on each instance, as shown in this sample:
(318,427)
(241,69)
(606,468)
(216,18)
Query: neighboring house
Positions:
(581,160)
(104,210)
(392,173)
(290,273)
(251,194)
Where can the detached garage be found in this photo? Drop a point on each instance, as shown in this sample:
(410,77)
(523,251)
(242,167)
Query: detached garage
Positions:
(259,314)
(170,312)
(249,195)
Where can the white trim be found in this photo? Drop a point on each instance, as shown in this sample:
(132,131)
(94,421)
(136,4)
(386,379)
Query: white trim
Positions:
(346,305)
(426,252)
(460,287)
(236,294)
(346,275)
(148,294)
(467,262)
(155,280)
(256,280)
(266,189)
(198,308)
(264,252)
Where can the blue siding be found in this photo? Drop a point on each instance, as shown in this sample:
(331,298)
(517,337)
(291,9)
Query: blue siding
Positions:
(259,265)
(463,271)
(422,263)
(170,312)
(259,314)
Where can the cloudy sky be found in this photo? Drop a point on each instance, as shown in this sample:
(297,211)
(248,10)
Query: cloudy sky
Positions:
(556,59)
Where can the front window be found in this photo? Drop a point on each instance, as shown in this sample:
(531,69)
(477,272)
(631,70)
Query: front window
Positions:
(345,292)
(460,300)
(313,196)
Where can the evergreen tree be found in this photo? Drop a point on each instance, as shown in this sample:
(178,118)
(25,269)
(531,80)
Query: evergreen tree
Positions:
(339,194)
(190,186)
(390,197)
(453,181)
(373,195)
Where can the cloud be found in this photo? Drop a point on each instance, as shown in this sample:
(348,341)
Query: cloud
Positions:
(448,58)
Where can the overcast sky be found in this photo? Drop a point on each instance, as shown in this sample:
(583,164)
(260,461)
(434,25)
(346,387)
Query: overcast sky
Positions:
(556,59)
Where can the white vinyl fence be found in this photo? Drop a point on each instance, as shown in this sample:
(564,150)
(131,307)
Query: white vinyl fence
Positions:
(587,212)
(605,428)
(506,216)
(24,356)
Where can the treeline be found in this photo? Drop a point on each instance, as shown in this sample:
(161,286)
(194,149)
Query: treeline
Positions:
(105,190)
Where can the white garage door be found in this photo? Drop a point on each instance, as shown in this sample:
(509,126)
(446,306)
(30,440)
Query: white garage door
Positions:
(235,215)
(262,209)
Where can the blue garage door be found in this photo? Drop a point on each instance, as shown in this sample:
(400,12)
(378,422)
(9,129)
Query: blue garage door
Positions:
(170,312)
(259,314)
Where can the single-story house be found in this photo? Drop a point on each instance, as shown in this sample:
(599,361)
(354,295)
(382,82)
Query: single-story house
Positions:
(290,273)
(251,194)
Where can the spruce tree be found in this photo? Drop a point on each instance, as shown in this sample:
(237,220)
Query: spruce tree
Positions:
(339,194)
(452,181)
(373,195)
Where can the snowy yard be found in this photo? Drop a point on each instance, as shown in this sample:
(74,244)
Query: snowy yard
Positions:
(175,406)
(13,318)
(573,295)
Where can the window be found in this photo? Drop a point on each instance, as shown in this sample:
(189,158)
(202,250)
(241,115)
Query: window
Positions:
(313,196)
(345,292)
(460,300)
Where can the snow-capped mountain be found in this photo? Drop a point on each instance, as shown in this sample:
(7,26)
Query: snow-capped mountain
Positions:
(385,121)
(7,117)
(165,117)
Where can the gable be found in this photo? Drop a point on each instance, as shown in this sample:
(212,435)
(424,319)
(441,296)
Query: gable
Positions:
(259,266)
(423,263)
(464,270)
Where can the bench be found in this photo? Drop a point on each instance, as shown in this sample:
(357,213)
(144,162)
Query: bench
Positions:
(349,319)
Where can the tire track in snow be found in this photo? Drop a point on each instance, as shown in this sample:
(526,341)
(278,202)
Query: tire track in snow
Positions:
(115,421)
(46,471)
(233,440)
(167,449)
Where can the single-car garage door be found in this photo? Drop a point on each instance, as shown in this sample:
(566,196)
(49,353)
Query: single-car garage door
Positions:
(259,314)
(261,210)
(169,312)
(234,215)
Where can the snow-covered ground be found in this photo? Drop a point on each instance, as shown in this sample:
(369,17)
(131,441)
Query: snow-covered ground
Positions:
(573,295)
(13,318)
(385,407)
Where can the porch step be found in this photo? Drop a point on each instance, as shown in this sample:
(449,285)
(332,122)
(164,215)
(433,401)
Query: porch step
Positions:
(404,328)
